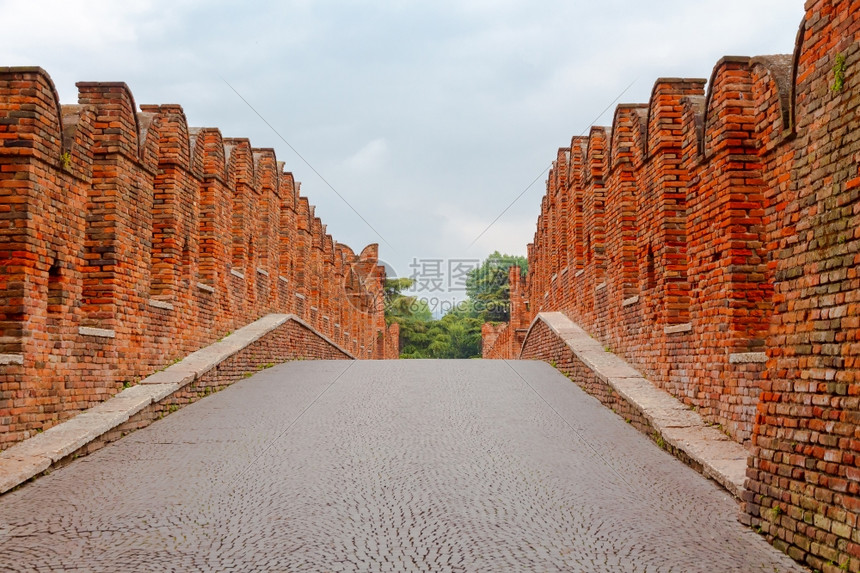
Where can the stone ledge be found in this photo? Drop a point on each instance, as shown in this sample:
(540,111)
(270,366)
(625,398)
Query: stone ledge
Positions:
(6,359)
(678,328)
(720,458)
(283,279)
(263,272)
(205,288)
(202,361)
(15,471)
(99,332)
(155,303)
(237,274)
(748,358)
(579,273)
(601,286)
(630,301)
(34,455)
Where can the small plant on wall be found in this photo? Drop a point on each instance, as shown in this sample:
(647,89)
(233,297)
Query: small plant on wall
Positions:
(838,74)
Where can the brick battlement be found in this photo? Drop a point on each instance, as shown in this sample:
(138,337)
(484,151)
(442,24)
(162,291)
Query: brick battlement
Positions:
(709,237)
(129,239)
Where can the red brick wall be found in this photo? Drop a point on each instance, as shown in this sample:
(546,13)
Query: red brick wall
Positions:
(727,273)
(805,470)
(290,341)
(128,239)
(504,340)
(661,247)
(496,340)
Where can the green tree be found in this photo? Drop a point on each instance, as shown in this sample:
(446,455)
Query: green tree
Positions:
(412,314)
(458,333)
(463,336)
(487,286)
(394,287)
(399,306)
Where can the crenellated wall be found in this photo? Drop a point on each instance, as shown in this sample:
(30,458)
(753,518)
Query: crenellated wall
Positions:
(128,240)
(651,236)
(710,238)
(503,340)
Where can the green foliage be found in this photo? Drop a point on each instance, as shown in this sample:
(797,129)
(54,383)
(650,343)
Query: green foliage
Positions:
(395,287)
(458,333)
(405,308)
(401,308)
(488,288)
(838,74)
(775,512)
(453,336)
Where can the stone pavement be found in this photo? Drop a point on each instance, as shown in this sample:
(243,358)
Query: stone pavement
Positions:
(681,428)
(34,455)
(383,466)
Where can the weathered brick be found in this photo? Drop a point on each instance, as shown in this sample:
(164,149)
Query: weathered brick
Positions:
(130,240)
(705,230)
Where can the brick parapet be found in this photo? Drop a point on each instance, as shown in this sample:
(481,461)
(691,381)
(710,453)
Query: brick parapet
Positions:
(667,252)
(128,239)
(730,268)
(503,340)
(259,345)
(553,338)
(496,340)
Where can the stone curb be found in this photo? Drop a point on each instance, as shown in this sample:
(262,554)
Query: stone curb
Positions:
(721,458)
(36,454)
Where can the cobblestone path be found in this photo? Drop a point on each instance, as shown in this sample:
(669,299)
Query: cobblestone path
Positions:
(383,466)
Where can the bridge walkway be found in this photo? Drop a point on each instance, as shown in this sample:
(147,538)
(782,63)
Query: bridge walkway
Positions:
(383,466)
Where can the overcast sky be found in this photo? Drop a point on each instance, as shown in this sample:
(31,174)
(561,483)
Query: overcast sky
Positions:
(430,118)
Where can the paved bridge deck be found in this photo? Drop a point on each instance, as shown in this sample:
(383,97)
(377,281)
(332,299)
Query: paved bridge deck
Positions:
(383,466)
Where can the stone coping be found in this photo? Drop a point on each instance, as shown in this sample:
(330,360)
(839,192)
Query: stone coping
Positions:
(164,305)
(678,328)
(97,332)
(34,455)
(748,358)
(11,359)
(721,458)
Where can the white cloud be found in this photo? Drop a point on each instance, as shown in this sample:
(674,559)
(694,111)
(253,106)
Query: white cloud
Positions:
(428,117)
(62,26)
(373,156)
